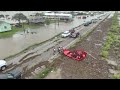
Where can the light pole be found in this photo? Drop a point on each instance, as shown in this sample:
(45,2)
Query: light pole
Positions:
(55,18)
(23,28)
(58,20)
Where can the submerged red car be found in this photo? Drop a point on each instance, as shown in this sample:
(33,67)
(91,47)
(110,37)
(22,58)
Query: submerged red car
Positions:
(76,55)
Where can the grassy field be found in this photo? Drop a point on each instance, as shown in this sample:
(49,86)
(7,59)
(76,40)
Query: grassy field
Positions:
(10,33)
(112,38)
(16,29)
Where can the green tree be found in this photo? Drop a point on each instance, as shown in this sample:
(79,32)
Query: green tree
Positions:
(39,14)
(19,16)
(1,16)
(6,15)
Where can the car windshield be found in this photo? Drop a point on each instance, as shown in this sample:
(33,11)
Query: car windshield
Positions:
(66,32)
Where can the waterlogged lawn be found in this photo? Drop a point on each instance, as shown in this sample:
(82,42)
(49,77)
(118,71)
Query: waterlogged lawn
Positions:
(16,29)
(10,33)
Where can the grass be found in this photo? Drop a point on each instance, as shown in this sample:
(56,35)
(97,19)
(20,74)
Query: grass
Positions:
(44,73)
(117,76)
(10,33)
(17,29)
(104,54)
(112,37)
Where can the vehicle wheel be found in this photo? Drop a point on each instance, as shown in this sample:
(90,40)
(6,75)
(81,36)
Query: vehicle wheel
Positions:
(3,68)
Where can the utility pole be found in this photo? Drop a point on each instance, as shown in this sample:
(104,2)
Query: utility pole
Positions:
(58,20)
(55,18)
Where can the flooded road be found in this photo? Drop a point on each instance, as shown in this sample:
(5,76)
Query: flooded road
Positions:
(20,41)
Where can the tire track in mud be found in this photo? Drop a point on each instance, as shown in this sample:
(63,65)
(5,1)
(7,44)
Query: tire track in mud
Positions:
(33,68)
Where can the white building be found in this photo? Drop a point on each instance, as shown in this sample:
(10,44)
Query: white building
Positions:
(60,16)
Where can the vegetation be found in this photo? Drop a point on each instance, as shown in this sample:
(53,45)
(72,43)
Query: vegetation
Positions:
(104,54)
(47,21)
(44,73)
(117,76)
(17,29)
(19,16)
(39,14)
(10,33)
(112,38)
(1,16)
(82,13)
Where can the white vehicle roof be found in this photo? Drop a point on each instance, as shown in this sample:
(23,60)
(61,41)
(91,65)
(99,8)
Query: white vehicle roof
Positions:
(2,62)
(66,32)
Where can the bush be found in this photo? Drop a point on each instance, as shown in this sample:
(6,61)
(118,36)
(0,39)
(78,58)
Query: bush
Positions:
(104,54)
(109,40)
(112,38)
(106,46)
(117,76)
(117,43)
(44,73)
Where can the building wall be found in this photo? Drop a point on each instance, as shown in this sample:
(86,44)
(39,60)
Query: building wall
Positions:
(53,17)
(5,27)
(37,19)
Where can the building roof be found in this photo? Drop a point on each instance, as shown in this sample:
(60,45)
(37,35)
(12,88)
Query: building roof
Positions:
(1,22)
(57,14)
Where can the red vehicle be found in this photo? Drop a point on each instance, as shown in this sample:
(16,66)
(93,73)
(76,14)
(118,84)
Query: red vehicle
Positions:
(76,55)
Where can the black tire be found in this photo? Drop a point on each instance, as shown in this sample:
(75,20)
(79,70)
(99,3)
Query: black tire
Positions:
(3,68)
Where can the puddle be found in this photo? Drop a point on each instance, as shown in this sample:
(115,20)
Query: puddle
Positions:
(99,30)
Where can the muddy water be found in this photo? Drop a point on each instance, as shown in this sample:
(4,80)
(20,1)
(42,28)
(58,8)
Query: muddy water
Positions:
(21,40)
